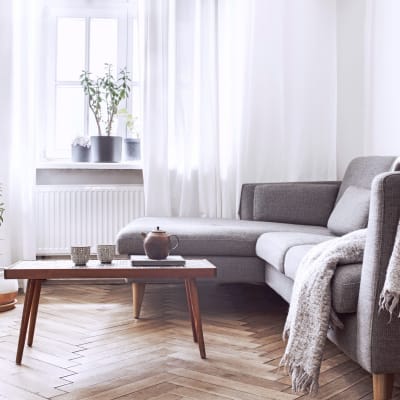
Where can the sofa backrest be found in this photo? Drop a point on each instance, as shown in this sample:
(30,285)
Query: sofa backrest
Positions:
(353,200)
(362,170)
(359,173)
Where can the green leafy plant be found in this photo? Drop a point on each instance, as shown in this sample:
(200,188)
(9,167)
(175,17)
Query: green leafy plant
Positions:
(104,94)
(2,209)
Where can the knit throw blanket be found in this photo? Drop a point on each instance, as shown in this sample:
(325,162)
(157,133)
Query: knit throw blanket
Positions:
(390,295)
(310,311)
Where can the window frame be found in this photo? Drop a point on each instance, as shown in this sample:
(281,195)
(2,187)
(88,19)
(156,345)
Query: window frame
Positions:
(124,13)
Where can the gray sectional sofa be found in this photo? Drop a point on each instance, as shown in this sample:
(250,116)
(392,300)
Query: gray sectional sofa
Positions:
(280,222)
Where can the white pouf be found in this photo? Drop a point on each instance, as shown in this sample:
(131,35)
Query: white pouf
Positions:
(8,293)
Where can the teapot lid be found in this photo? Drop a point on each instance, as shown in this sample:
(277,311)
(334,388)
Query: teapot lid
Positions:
(158,230)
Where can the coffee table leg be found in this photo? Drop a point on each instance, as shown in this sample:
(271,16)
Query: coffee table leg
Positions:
(25,319)
(137,297)
(194,298)
(34,309)
(190,307)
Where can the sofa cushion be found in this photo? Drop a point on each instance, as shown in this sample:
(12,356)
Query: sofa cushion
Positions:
(351,211)
(204,236)
(273,246)
(345,282)
(306,203)
(293,257)
(362,170)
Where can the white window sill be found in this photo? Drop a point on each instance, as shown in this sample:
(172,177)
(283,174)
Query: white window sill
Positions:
(88,165)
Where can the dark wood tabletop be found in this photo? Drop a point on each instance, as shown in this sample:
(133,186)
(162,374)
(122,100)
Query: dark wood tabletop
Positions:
(64,269)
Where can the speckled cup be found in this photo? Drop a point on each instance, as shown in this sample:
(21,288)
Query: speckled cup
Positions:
(80,255)
(105,253)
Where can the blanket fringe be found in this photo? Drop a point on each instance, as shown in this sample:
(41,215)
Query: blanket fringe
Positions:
(302,382)
(389,301)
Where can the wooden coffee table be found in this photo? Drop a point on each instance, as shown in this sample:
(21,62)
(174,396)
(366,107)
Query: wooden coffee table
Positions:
(37,271)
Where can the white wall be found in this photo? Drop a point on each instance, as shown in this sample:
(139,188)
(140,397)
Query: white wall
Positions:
(351,69)
(368,109)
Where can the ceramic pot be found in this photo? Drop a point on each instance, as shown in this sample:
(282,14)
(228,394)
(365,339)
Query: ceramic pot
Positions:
(131,149)
(106,148)
(157,244)
(80,153)
(8,293)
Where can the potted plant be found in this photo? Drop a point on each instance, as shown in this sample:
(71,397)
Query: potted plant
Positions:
(80,149)
(104,94)
(132,140)
(8,287)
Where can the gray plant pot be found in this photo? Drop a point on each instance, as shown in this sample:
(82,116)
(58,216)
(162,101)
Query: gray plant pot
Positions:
(106,148)
(80,153)
(131,149)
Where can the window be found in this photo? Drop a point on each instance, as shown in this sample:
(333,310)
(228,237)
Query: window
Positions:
(83,37)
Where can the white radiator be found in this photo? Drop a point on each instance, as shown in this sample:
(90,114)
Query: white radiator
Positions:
(83,214)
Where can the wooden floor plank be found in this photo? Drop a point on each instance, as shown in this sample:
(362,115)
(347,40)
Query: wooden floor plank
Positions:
(222,391)
(229,383)
(89,346)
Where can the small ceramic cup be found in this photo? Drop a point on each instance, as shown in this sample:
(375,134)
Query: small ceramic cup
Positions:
(80,255)
(105,253)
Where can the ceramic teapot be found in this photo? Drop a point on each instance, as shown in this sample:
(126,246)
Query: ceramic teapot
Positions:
(157,244)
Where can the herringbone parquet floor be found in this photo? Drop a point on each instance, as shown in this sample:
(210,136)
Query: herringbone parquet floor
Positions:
(87,346)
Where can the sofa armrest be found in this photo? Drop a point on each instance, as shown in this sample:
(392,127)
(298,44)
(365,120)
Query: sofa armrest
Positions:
(378,341)
(308,203)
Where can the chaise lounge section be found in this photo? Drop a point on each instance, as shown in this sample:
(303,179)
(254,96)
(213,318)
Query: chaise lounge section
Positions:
(279,223)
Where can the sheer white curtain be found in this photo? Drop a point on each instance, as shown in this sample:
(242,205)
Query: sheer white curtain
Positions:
(180,107)
(382,93)
(235,91)
(18,98)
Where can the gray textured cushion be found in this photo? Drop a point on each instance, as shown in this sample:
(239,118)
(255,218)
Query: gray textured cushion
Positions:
(206,237)
(273,246)
(351,211)
(293,258)
(306,203)
(362,170)
(345,282)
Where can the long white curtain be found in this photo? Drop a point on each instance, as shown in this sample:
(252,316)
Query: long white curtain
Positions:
(235,91)
(382,91)
(19,74)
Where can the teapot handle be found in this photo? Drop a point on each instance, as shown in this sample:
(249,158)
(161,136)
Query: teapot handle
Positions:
(144,235)
(177,241)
